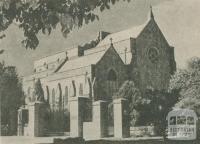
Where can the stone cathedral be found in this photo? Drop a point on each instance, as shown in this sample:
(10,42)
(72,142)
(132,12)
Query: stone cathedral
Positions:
(98,69)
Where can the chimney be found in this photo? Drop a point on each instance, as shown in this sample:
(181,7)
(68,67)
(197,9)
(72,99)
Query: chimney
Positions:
(102,35)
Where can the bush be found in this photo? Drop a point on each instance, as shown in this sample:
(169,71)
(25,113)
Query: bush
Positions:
(76,140)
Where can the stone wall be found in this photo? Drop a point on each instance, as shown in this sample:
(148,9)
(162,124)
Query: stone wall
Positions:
(121,141)
(152,58)
(110,61)
(60,87)
(147,141)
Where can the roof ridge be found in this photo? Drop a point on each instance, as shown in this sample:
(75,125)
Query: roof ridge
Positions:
(142,24)
(133,31)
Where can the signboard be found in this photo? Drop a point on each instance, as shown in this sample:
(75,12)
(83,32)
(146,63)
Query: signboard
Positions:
(182,124)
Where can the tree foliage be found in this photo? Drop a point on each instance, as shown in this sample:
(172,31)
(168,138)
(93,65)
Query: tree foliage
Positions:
(11,96)
(150,107)
(130,92)
(38,91)
(160,103)
(187,82)
(34,16)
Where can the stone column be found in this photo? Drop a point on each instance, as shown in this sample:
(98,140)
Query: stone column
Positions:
(121,118)
(76,116)
(97,128)
(36,122)
(100,117)
(20,128)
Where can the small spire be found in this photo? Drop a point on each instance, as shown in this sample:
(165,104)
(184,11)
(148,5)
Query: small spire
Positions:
(111,43)
(151,12)
(111,40)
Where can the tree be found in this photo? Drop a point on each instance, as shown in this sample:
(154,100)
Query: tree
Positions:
(11,97)
(130,92)
(187,82)
(1,51)
(150,107)
(38,91)
(160,104)
(34,16)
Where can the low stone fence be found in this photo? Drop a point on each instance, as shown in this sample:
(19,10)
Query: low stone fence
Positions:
(140,142)
(142,131)
(125,142)
(80,140)
(77,140)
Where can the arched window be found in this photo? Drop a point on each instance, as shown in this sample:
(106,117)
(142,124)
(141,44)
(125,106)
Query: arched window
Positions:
(87,90)
(53,98)
(59,95)
(47,89)
(81,89)
(73,89)
(112,76)
(66,97)
(112,83)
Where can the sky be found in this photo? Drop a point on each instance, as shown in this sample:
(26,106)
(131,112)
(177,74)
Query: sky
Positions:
(178,20)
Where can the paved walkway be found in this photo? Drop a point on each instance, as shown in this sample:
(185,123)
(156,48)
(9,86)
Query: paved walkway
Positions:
(27,140)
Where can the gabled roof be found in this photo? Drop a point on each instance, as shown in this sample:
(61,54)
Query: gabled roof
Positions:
(118,37)
(86,60)
(178,112)
(82,61)
(132,32)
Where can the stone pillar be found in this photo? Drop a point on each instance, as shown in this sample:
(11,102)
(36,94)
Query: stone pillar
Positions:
(36,122)
(121,118)
(22,121)
(20,129)
(100,118)
(98,127)
(76,116)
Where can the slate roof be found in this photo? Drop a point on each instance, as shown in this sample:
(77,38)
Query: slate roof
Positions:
(82,61)
(103,46)
(132,32)
(94,57)
(120,40)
